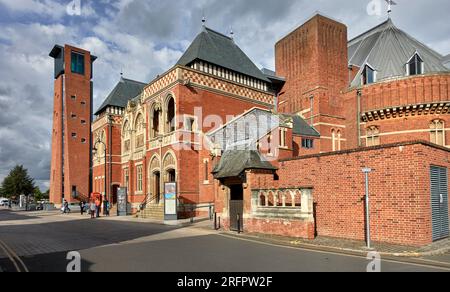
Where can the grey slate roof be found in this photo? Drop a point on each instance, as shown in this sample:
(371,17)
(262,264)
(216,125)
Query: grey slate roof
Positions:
(218,49)
(124,91)
(302,128)
(233,163)
(387,49)
(446,61)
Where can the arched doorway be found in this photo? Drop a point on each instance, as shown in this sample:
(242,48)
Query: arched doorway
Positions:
(156,183)
(154,180)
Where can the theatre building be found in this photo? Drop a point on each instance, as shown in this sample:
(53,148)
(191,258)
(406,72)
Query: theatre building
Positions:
(282,152)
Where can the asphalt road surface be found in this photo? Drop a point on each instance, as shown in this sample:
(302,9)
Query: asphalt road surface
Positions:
(41,244)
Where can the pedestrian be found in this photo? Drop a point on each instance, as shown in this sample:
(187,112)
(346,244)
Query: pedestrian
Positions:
(66,207)
(106,208)
(82,207)
(92,209)
(97,207)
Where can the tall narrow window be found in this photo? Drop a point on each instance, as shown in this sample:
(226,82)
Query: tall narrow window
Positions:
(437,132)
(139,178)
(206,179)
(140,131)
(155,123)
(373,136)
(415,66)
(368,75)
(170,123)
(126,136)
(339,140)
(77,63)
(126,178)
(333,140)
(283,138)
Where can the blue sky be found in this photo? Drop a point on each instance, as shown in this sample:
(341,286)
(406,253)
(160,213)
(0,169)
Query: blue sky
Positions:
(145,38)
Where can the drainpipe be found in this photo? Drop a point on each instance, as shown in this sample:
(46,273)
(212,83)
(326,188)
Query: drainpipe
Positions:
(311,99)
(110,158)
(358,118)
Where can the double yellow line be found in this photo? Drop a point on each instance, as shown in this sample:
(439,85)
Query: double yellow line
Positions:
(14,258)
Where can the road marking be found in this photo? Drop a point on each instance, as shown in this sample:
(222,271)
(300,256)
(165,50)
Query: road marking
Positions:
(13,257)
(334,253)
(9,256)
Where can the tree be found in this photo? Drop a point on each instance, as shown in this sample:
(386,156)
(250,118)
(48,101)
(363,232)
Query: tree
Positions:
(17,183)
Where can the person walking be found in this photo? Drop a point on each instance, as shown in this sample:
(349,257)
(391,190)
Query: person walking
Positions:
(66,208)
(92,209)
(97,207)
(82,205)
(106,208)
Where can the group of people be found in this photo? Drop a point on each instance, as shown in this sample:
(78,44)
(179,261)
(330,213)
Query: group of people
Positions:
(94,208)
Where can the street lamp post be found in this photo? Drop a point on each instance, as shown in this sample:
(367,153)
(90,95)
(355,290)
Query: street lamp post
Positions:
(95,152)
(367,171)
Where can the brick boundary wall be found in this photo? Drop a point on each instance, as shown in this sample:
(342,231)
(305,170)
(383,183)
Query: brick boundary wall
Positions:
(399,188)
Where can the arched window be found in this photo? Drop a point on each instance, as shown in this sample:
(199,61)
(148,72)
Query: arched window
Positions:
(414,65)
(373,136)
(437,132)
(140,131)
(339,139)
(170,122)
(156,118)
(333,140)
(169,165)
(126,137)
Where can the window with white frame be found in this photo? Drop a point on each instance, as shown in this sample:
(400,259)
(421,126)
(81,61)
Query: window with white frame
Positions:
(140,131)
(415,66)
(373,136)
(368,75)
(282,134)
(139,176)
(437,134)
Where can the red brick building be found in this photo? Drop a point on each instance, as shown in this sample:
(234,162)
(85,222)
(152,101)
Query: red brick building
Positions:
(71,135)
(283,152)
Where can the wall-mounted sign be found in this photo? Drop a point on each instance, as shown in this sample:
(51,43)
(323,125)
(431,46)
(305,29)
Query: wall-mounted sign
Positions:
(170,201)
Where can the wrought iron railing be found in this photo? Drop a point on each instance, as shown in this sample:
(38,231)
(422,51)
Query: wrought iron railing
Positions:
(149,198)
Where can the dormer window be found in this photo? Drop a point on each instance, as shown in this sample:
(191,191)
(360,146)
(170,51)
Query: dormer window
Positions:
(415,66)
(368,75)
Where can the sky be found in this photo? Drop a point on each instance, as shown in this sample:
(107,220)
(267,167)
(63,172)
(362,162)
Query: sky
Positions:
(144,38)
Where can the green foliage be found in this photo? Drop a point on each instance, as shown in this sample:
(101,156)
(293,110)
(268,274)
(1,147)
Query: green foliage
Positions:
(17,183)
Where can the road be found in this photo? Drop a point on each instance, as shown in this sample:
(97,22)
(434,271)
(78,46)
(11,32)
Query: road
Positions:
(41,243)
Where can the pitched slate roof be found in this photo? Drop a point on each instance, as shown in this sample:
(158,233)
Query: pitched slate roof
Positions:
(233,163)
(302,128)
(387,49)
(124,91)
(446,61)
(215,48)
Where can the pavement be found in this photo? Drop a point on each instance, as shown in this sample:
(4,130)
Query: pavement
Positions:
(41,242)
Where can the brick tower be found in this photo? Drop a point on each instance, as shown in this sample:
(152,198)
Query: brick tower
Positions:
(72,118)
(313,59)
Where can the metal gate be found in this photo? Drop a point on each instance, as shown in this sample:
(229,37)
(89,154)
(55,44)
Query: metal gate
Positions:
(236,211)
(439,202)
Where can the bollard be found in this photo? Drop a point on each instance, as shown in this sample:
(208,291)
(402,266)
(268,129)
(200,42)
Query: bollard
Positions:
(219,224)
(192,214)
(215,221)
(239,223)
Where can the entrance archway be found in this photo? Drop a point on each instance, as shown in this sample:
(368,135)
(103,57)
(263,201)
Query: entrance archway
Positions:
(156,183)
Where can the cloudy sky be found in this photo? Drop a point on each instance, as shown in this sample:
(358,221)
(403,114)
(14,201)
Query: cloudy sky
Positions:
(145,38)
